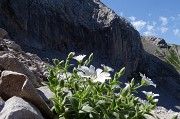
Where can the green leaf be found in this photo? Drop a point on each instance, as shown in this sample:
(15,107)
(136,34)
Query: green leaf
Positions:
(174,117)
(132,82)
(71,54)
(56,61)
(62,83)
(115,83)
(121,72)
(88,109)
(51,74)
(76,86)
(74,102)
(101,102)
(113,104)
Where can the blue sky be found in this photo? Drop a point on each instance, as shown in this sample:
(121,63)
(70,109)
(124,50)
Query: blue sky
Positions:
(160,18)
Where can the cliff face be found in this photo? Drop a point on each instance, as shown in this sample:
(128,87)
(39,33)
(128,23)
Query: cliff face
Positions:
(83,26)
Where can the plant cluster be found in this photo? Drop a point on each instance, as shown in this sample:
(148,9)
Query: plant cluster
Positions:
(88,93)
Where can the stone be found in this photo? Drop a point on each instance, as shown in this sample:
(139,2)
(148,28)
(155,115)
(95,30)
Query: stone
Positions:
(160,42)
(1,103)
(46,94)
(18,108)
(3,33)
(13,58)
(85,27)
(163,113)
(10,62)
(17,84)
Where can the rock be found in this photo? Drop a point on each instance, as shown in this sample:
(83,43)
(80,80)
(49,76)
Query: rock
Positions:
(1,103)
(10,62)
(17,84)
(3,33)
(18,108)
(13,58)
(46,94)
(73,25)
(163,113)
(155,41)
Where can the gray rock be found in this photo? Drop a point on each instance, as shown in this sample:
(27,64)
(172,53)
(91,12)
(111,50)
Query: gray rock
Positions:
(156,41)
(1,103)
(73,25)
(18,108)
(10,62)
(16,84)
(3,33)
(46,94)
(163,113)
(13,58)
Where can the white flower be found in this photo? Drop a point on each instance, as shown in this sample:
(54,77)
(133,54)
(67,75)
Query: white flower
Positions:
(107,68)
(63,75)
(147,80)
(95,75)
(101,76)
(127,86)
(79,58)
(150,94)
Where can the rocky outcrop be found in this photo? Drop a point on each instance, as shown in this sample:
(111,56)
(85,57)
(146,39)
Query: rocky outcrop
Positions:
(163,74)
(16,84)
(14,59)
(156,51)
(83,26)
(17,108)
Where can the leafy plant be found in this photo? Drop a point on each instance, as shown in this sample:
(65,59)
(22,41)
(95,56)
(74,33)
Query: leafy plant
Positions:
(89,93)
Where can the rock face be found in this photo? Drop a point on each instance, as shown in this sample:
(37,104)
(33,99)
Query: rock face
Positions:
(83,26)
(17,108)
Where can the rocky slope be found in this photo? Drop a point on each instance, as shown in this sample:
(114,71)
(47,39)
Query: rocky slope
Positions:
(83,26)
(164,75)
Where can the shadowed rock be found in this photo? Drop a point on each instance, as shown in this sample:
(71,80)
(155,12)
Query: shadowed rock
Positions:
(17,108)
(1,103)
(3,33)
(16,84)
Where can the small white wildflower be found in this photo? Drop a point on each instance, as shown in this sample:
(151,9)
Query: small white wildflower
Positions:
(127,86)
(79,58)
(101,76)
(63,75)
(95,75)
(150,94)
(107,68)
(147,81)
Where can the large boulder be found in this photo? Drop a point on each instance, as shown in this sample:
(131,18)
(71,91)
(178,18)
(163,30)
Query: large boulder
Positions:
(18,108)
(16,84)
(83,26)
